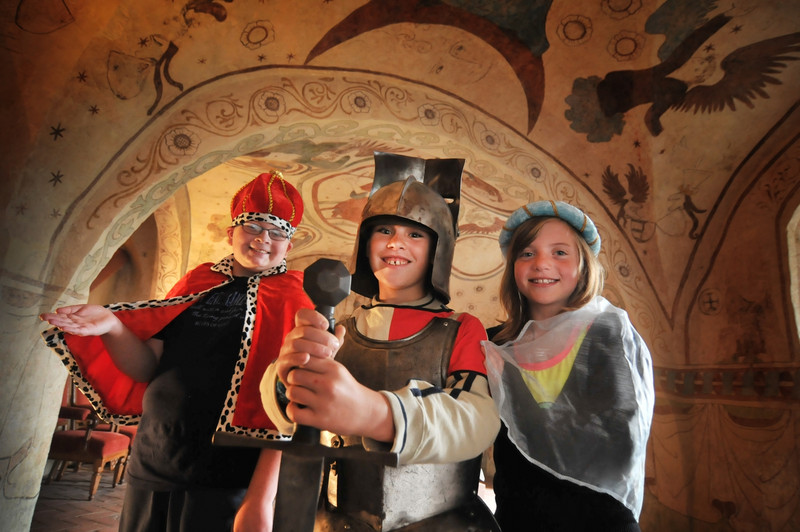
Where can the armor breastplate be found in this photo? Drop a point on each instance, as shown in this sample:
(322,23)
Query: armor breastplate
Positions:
(388,498)
(388,365)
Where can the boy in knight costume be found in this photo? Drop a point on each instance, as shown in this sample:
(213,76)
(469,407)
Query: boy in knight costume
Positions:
(191,364)
(409,376)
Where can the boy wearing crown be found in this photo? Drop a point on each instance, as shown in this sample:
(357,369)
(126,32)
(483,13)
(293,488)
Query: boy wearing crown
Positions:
(190,365)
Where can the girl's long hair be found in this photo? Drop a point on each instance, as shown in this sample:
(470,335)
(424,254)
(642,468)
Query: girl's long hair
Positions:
(516,306)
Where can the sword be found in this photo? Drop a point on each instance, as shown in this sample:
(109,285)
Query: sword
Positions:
(327,282)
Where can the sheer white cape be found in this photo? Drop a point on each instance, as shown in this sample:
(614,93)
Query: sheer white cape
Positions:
(595,430)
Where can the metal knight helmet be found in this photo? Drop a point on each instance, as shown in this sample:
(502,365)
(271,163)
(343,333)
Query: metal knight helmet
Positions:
(423,191)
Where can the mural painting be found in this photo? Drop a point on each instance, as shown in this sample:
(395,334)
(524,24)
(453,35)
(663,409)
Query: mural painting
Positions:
(674,124)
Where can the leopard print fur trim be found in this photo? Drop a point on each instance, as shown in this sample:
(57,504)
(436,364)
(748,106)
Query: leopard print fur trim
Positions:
(280,223)
(54,338)
(225,423)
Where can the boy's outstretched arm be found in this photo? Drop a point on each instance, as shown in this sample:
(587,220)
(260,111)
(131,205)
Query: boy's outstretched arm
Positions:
(136,358)
(257,510)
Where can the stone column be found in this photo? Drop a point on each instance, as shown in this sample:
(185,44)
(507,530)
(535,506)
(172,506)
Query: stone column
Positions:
(31,384)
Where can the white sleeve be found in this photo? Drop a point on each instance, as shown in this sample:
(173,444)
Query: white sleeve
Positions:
(435,425)
(269,399)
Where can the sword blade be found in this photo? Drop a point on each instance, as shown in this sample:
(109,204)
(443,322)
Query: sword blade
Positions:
(299,482)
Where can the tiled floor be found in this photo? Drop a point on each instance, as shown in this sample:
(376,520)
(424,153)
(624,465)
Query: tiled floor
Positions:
(63,505)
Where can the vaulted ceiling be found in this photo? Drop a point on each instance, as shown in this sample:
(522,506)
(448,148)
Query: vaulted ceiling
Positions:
(674,124)
(655,118)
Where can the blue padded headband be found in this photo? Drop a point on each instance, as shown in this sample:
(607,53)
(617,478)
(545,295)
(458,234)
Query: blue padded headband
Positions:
(558,209)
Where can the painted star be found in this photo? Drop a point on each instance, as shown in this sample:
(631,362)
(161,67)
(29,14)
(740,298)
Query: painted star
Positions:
(637,144)
(202,60)
(21,208)
(55,214)
(143,41)
(57,131)
(56,179)
(94,109)
(261,58)
(289,57)
(82,77)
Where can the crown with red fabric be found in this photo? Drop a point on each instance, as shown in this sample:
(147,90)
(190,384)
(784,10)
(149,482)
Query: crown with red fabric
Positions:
(268,198)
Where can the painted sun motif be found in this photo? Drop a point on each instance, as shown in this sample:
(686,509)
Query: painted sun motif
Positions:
(619,9)
(181,141)
(429,115)
(257,34)
(359,101)
(271,103)
(489,140)
(626,46)
(574,30)
(535,171)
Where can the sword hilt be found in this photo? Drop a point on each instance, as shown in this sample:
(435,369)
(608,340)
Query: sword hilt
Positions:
(327,283)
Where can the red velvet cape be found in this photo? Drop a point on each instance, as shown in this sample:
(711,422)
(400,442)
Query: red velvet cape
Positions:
(118,398)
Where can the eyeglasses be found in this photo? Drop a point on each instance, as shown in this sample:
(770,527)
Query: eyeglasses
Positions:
(255,229)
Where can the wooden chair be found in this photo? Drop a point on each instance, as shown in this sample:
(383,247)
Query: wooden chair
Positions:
(87,445)
(80,401)
(73,413)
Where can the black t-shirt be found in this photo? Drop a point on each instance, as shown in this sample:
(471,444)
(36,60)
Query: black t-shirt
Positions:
(183,401)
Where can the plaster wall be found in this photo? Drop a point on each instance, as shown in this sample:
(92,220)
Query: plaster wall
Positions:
(705,263)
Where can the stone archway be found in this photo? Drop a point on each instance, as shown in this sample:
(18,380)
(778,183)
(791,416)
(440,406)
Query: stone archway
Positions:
(321,127)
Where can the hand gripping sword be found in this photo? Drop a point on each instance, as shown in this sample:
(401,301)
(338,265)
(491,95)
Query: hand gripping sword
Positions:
(327,282)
